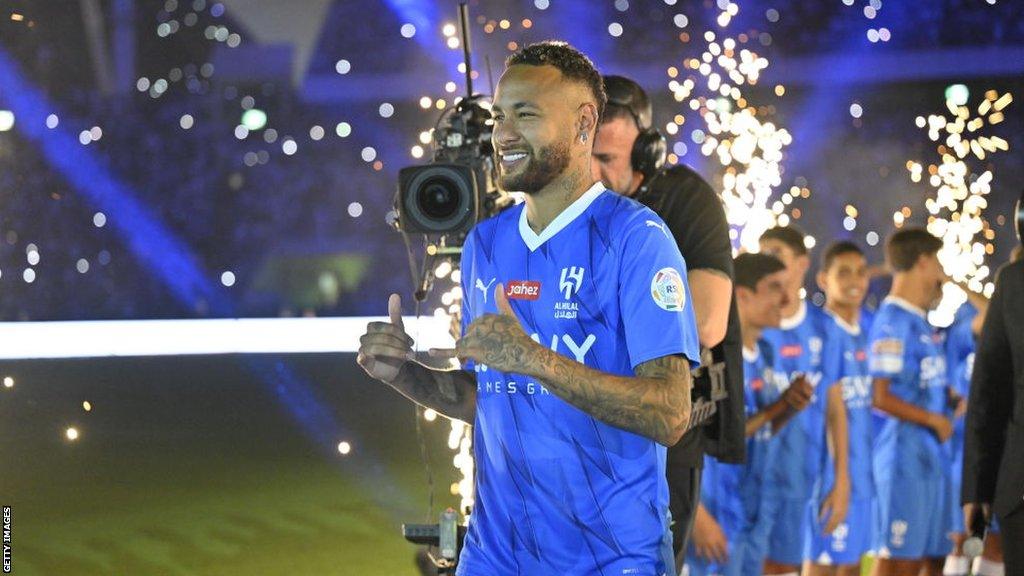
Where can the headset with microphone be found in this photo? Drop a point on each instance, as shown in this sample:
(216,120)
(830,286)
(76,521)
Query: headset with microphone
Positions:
(650,148)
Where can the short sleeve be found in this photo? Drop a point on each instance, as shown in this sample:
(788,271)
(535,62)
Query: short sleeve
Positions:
(696,218)
(654,297)
(888,350)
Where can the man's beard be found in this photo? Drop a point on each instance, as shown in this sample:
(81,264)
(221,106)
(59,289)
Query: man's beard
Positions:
(543,167)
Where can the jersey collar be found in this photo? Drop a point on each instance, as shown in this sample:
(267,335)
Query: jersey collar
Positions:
(751,355)
(897,301)
(850,328)
(534,240)
(796,319)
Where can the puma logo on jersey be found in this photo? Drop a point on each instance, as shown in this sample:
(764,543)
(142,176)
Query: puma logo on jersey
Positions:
(659,226)
(484,289)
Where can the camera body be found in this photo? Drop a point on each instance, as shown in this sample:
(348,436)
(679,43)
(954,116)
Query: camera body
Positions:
(439,198)
(1018,213)
(458,188)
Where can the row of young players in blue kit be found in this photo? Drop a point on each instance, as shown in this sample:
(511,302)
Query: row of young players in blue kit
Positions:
(854,423)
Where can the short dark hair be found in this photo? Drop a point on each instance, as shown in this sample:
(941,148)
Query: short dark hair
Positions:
(626,99)
(904,247)
(571,62)
(789,235)
(750,268)
(837,249)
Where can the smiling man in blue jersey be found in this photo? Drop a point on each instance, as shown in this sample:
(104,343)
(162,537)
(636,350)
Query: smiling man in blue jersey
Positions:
(726,540)
(908,367)
(577,342)
(795,472)
(838,538)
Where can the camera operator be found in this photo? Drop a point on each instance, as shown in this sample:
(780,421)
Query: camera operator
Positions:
(629,156)
(993,479)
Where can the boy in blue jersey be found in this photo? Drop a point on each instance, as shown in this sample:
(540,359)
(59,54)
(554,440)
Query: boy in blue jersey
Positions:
(795,472)
(727,537)
(579,334)
(838,538)
(908,368)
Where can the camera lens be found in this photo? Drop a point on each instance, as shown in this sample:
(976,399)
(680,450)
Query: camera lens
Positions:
(438,197)
(1020,218)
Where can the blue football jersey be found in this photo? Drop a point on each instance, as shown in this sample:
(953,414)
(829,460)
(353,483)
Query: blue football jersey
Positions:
(734,493)
(797,345)
(908,351)
(867,317)
(960,349)
(558,491)
(731,492)
(845,362)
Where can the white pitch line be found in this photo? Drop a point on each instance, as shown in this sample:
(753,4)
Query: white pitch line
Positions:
(94,339)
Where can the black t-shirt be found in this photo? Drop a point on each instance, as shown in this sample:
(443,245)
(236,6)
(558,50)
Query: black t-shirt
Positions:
(695,214)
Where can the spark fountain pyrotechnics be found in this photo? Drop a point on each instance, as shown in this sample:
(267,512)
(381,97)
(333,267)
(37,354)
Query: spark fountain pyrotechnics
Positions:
(960,181)
(746,143)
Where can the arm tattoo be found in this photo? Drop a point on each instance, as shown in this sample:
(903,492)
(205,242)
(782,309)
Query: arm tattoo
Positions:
(655,403)
(449,392)
(500,340)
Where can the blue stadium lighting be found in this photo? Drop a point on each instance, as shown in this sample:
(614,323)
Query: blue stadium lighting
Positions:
(254,119)
(104,339)
(958,94)
(145,236)
(155,247)
(6,120)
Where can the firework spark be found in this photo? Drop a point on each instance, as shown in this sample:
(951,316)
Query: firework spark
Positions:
(961,183)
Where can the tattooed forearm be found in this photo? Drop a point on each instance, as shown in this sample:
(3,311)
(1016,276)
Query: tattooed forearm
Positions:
(448,392)
(655,403)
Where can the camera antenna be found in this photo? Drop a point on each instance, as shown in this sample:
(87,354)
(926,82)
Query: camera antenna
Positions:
(490,75)
(464,24)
